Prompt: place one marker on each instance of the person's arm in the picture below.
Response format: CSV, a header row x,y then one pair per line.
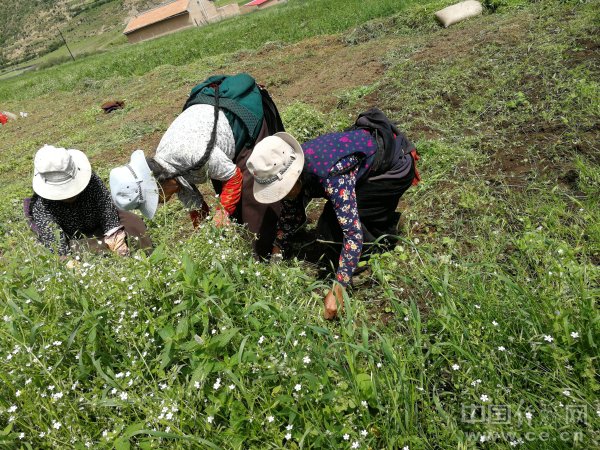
x,y
189,195
115,237
341,191
232,192
50,234
221,168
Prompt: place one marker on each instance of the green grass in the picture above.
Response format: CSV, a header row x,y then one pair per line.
x,y
489,302
296,20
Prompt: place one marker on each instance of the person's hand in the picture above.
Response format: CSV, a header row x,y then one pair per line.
x,y
73,264
199,215
221,218
117,242
276,255
334,302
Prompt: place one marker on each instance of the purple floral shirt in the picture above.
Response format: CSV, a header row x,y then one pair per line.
x,y
341,191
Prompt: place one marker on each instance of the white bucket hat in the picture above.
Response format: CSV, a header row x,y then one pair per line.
x,y
276,163
59,174
133,186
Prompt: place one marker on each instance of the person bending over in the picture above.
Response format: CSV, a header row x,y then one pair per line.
x,y
200,145
71,206
361,202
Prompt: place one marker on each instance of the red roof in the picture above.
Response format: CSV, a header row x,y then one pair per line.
x,y
176,8
256,2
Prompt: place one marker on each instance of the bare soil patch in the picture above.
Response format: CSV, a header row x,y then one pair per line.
x,y
313,71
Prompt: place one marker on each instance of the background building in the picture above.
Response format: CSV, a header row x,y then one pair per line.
x,y
175,16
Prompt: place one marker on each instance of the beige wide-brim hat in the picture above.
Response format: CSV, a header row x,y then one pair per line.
x,y
276,164
59,173
133,186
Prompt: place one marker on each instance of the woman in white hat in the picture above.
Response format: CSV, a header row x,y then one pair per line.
x,y
71,203
192,151
338,166
180,163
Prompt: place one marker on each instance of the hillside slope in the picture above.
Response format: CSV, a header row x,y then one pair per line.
x,y
30,28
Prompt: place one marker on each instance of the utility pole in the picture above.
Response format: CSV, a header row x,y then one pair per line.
x,y
65,41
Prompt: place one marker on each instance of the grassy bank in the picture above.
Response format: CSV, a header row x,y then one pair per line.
x,y
291,22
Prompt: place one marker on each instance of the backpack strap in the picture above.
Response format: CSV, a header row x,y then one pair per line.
x,y
213,137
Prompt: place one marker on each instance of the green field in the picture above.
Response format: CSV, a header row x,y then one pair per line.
x,y
479,330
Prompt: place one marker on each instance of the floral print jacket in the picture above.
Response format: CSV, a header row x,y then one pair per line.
x,y
340,189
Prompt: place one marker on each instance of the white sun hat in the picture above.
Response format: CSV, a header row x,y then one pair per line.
x,y
276,163
133,186
59,174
